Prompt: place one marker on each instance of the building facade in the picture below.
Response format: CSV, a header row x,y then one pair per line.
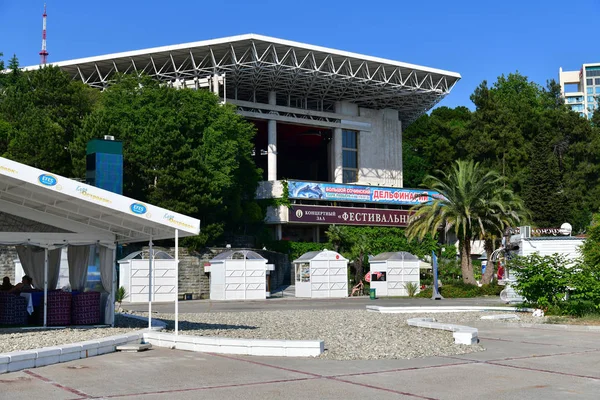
x,y
580,88
329,122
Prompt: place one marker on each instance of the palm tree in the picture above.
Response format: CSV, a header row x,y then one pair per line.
x,y
472,203
337,235
511,214
359,250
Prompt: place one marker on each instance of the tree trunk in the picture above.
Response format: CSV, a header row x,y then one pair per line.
x,y
489,268
358,268
466,264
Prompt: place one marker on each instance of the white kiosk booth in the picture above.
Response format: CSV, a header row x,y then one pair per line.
x,y
238,275
134,274
321,274
390,272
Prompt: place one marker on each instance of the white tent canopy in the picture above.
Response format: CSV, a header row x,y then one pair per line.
x,y
40,209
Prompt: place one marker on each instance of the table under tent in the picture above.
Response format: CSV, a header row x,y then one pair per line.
x,y
238,275
41,214
321,274
390,273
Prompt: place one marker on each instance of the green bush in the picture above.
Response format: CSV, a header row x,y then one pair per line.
x,y
460,289
295,249
449,270
585,285
493,289
542,280
578,308
546,281
411,288
455,292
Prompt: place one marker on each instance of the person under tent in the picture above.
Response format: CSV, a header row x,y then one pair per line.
x,y
26,285
6,285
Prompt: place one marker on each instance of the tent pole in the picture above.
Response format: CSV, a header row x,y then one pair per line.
x,y
45,285
176,281
150,284
114,285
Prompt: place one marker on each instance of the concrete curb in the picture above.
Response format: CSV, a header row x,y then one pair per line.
x,y
207,344
18,360
462,334
157,324
251,347
557,327
444,309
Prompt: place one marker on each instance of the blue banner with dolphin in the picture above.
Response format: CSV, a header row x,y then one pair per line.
x,y
358,193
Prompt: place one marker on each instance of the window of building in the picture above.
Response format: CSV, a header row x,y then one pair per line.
x,y
590,98
349,156
592,71
577,107
597,81
590,90
589,81
597,89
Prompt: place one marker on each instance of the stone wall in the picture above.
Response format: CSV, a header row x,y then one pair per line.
x,y
7,264
193,280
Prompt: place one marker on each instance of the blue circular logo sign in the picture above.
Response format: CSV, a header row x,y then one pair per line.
x,y
48,180
138,208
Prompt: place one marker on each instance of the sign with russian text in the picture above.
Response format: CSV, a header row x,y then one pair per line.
x,y
358,194
348,216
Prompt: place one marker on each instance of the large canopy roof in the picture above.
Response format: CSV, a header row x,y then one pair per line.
x,y
36,202
254,65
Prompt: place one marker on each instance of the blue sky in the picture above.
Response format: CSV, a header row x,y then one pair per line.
x,y
478,39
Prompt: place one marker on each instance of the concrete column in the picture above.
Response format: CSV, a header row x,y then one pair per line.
x,y
278,233
337,156
272,147
215,84
337,160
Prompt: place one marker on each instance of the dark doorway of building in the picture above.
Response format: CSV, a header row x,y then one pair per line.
x,y
303,151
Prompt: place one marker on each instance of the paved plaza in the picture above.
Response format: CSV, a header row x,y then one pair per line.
x,y
519,363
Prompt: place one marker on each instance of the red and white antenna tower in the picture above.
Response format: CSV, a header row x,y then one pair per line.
x,y
44,52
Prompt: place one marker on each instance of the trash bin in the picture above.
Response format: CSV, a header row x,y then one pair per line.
x,y
372,294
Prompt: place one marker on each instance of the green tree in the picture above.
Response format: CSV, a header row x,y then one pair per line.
x,y
543,191
590,250
434,141
470,202
337,235
40,111
183,150
512,116
358,252
507,211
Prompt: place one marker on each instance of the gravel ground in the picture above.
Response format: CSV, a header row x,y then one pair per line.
x,y
12,339
348,334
